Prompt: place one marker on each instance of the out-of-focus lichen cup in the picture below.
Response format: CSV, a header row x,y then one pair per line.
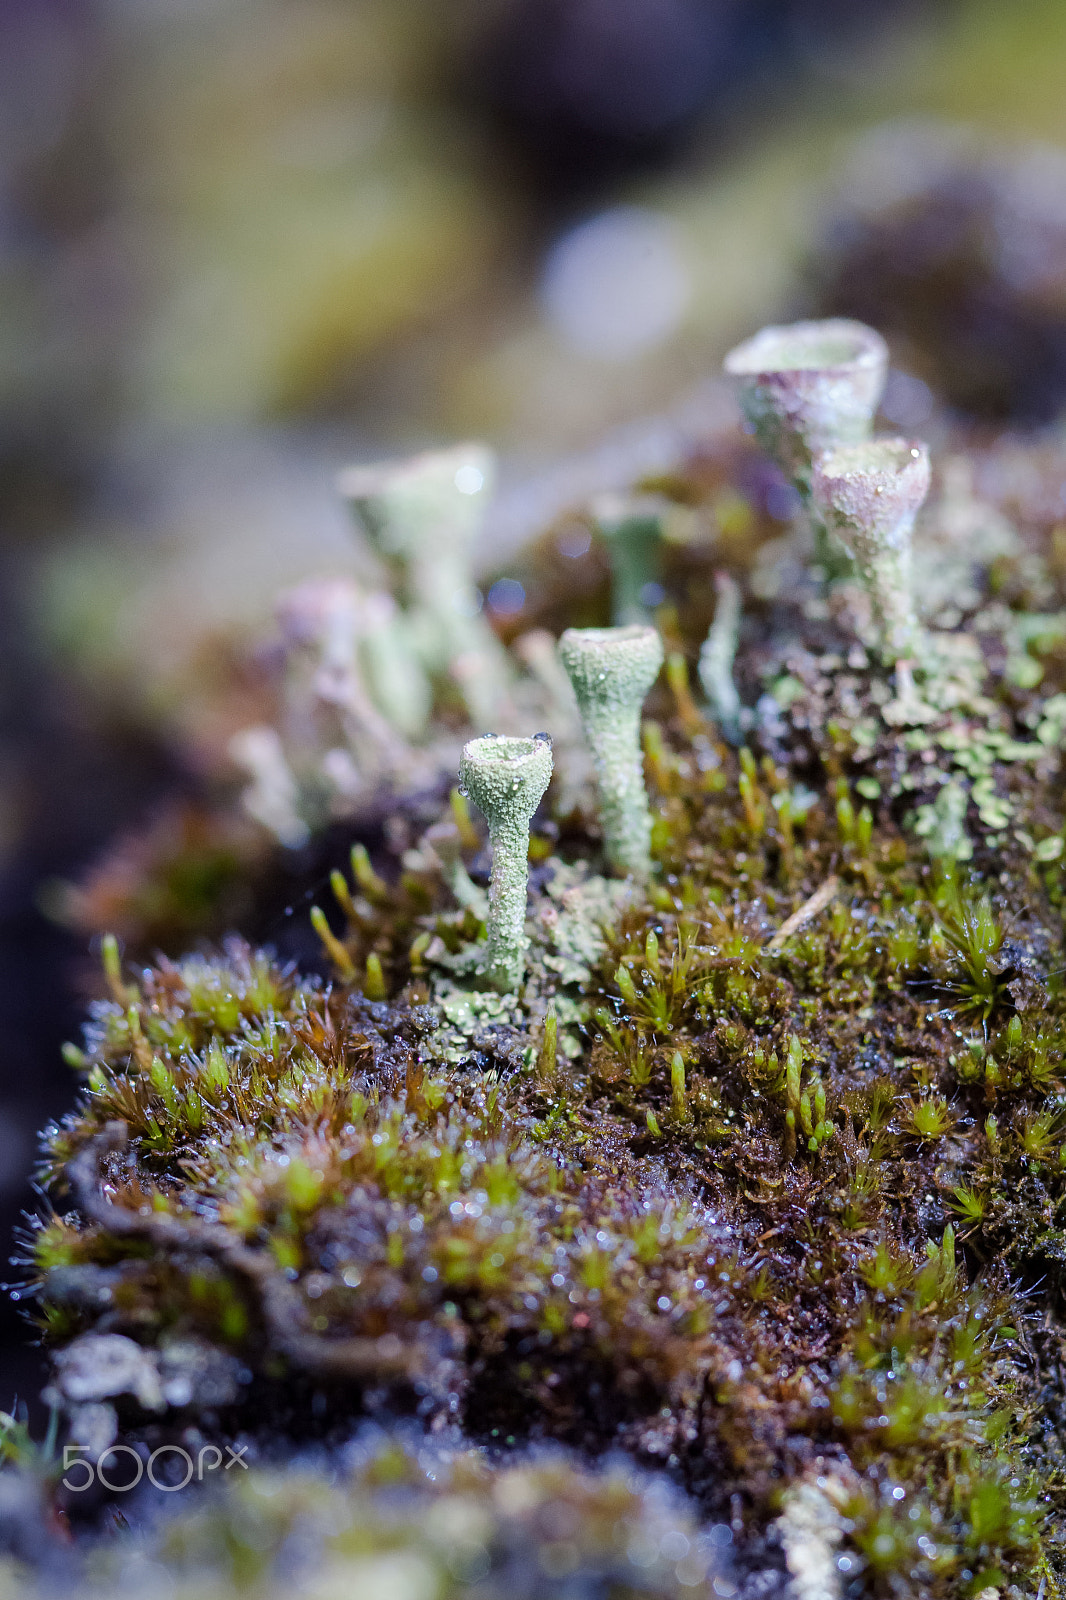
x,y
868,495
808,387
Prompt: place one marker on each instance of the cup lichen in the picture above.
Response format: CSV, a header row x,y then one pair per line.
x,y
868,495
809,386
612,670
506,779
632,528
422,516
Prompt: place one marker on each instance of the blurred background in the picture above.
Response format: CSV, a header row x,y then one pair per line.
x,y
243,242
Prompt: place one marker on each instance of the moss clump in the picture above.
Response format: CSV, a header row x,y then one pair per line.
x,y
763,1226
759,1175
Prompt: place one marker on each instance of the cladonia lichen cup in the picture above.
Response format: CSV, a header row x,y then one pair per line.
x,y
868,495
612,670
809,386
422,516
506,779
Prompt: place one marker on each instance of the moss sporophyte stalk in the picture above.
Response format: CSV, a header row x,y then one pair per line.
x,y
749,1167
506,779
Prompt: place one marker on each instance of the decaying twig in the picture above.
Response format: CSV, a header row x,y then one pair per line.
x,y
807,912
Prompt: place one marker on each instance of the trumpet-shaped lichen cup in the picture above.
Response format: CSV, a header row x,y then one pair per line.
x,y
422,514
809,386
506,779
612,670
868,495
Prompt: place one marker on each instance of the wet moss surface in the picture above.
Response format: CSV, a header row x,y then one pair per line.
x,y
758,1178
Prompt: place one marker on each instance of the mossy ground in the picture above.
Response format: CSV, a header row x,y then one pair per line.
x,y
405,1517
761,1178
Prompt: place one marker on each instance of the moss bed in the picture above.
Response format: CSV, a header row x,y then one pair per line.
x,y
757,1187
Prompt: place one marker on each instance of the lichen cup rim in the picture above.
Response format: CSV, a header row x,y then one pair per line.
x,y
609,638
615,508
363,481
520,751
888,458
837,344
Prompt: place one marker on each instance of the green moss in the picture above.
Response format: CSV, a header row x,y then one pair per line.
x,y
752,1130
758,1177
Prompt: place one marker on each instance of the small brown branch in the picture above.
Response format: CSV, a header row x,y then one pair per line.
x,y
807,912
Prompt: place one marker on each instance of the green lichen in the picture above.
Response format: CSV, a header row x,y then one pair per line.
x,y
506,779
422,515
868,495
809,387
632,527
612,670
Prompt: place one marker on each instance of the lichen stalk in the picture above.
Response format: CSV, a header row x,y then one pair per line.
x,y
632,527
506,779
718,654
422,516
612,670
